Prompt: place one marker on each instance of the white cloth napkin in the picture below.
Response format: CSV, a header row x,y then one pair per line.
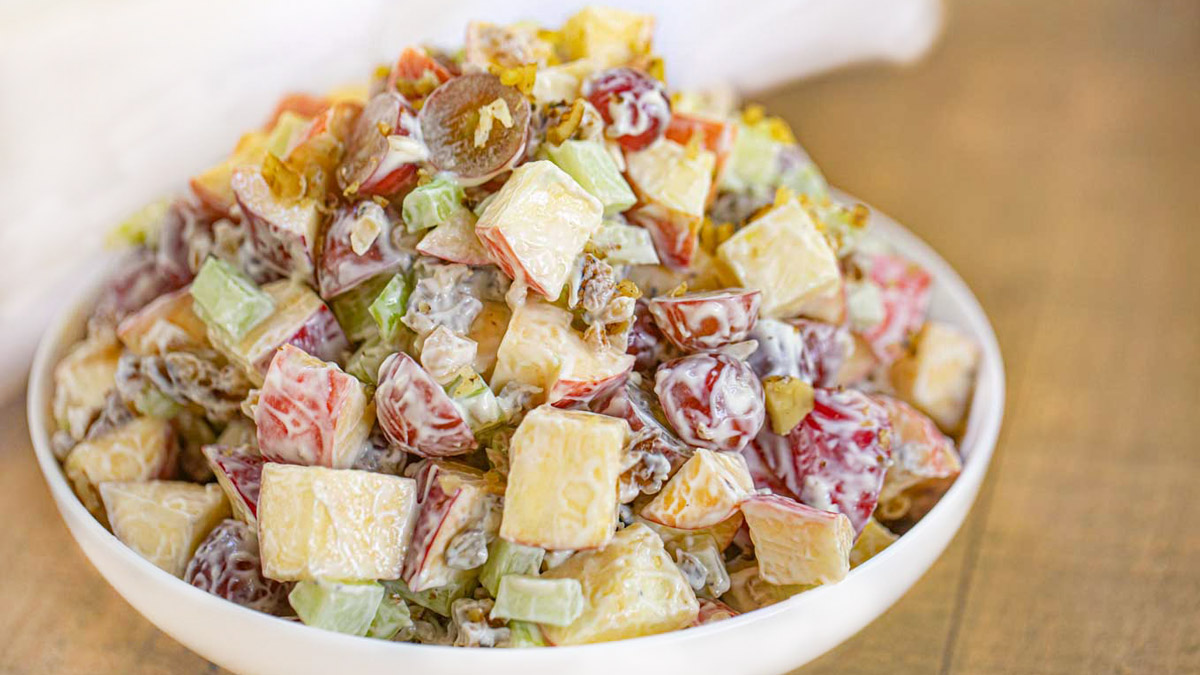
x,y
107,105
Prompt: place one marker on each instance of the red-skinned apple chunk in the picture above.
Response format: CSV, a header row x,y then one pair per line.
x,y
705,491
310,412
672,185
452,499
715,135
712,401
836,458
936,376
796,543
707,320
282,228
239,473
904,288
921,456
357,247
415,412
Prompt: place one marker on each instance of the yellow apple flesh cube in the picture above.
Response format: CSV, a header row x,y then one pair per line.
x,y
672,176
81,382
937,377
541,349
317,523
705,491
537,224
782,254
457,498
487,331
610,37
562,480
873,539
797,544
164,521
167,324
140,449
632,588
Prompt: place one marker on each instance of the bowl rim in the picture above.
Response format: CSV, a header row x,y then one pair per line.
x,y
977,445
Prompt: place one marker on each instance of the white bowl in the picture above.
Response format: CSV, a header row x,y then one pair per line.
x,y
770,640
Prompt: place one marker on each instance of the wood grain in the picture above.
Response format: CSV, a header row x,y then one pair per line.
x,y
1051,152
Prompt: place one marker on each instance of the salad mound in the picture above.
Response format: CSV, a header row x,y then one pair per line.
x,y
512,347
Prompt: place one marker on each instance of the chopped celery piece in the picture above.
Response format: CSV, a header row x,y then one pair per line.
x,y
429,205
389,307
151,402
589,163
352,308
806,179
504,558
437,600
229,300
365,361
343,607
754,161
555,602
476,400
525,634
392,617
141,227
624,244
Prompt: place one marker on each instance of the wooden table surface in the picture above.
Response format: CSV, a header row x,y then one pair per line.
x,y
1051,152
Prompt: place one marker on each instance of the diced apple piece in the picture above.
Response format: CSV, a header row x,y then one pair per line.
x,y
140,449
239,473
282,231
938,375
672,183
723,532
562,481
541,349
451,500
873,539
164,521
300,318
342,607
357,247
228,300
213,188
82,380
416,413
417,73
607,36
537,224
748,591
920,452
550,602
789,400
621,244
505,46
782,254
318,523
167,324
707,320
310,412
705,491
487,330
455,241
714,135
591,165
797,544
632,588
505,558
904,290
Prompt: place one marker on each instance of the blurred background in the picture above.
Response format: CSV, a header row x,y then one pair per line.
x,y
1051,153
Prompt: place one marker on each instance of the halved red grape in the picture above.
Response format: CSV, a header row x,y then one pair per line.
x,y
837,457
637,405
633,105
227,564
646,341
414,411
707,320
712,400
341,268
451,117
371,167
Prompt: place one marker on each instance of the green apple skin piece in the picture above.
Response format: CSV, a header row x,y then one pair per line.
x,y
525,634
439,599
554,602
229,300
392,617
589,163
389,307
504,558
352,308
429,205
342,607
